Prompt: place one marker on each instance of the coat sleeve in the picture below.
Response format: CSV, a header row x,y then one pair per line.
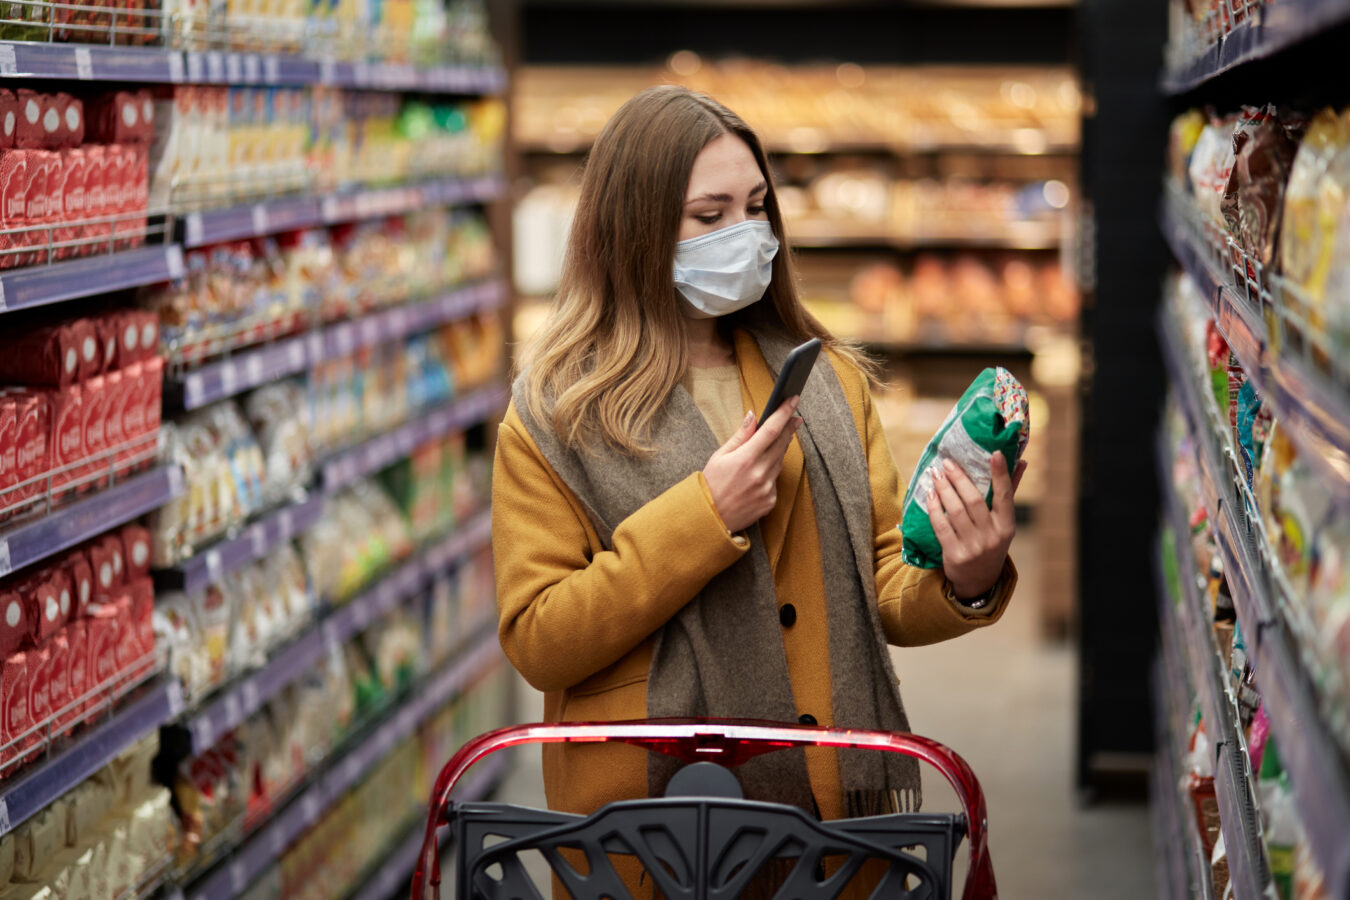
x,y
917,605
568,608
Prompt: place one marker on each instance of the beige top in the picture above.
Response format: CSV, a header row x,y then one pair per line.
x,y
717,394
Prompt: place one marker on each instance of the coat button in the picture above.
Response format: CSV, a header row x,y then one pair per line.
x,y
787,614
806,719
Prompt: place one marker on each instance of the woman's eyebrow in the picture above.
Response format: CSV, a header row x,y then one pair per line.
x,y
726,198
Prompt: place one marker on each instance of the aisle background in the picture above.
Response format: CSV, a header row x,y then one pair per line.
x,y
1004,699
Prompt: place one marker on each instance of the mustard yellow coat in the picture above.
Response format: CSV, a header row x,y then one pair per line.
x,y
578,620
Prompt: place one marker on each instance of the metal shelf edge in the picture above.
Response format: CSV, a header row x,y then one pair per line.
x,y
101,62
35,791
1245,863
60,281
31,542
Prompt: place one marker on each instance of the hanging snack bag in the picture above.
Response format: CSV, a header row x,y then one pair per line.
x,y
992,415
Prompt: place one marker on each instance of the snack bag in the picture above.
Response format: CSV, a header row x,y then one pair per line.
x,y
991,415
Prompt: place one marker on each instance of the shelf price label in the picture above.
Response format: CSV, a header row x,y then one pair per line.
x,y
272,69
196,68
176,68
9,64
259,218
234,69
215,67
84,64
6,566
252,68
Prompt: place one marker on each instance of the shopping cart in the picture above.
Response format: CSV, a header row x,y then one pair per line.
x,y
702,840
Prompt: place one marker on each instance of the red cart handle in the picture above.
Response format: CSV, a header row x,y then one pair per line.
x,y
728,742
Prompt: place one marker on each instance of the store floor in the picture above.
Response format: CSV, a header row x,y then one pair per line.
x,y
1004,700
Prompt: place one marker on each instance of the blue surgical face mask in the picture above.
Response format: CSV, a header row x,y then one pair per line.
x,y
725,270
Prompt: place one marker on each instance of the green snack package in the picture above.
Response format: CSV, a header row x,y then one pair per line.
x,y
991,415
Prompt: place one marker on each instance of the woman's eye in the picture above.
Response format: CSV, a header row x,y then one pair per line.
x,y
755,210
708,218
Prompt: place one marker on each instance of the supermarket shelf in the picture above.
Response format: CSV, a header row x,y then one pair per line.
x,y
1316,418
235,703
375,454
268,844
92,62
1320,780
210,565
88,62
158,703
289,214
255,367
24,544
396,871
1032,238
1278,26
1311,754
581,146
41,285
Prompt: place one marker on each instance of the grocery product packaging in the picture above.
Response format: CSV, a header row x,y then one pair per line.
x,y
76,566
47,356
32,440
95,414
9,453
29,135
13,204
77,635
72,120
9,119
73,163
53,113
16,623
14,706
39,686
41,595
60,680
1253,201
991,415
67,436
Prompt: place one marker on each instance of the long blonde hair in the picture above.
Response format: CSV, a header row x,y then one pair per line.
x,y
614,344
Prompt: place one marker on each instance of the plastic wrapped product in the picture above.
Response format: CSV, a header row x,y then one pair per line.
x,y
77,635
1263,158
14,706
16,620
9,453
37,842
61,702
1210,166
992,415
41,595
1281,819
6,860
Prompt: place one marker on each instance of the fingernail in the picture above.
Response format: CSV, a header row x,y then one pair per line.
x,y
998,456
937,472
749,416
949,465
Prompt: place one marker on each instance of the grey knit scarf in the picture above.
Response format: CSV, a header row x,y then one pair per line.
x,y
722,655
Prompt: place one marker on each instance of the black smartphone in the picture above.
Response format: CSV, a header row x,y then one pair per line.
x,y
792,377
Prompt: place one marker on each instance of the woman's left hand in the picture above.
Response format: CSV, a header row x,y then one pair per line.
x,y
974,538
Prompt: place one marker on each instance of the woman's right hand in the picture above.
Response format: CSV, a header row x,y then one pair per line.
x,y
743,474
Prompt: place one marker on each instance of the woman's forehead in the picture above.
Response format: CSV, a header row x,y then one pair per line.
x,y
724,166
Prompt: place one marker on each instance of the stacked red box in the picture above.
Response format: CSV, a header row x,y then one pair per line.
x,y
87,404
71,629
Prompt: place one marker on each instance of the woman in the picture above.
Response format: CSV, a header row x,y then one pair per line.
x,y
656,553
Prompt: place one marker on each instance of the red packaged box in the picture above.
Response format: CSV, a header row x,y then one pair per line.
x,y
106,582
76,565
65,593
39,688
78,636
91,354
9,119
48,356
61,698
142,591
41,595
135,175
112,544
112,429
108,329
28,134
16,626
140,334
32,455
116,118
102,626
72,194
53,126
113,179
133,414
56,185
14,706
9,454
72,121
152,384
136,549
67,436
36,213
95,424
95,200
13,205
127,647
